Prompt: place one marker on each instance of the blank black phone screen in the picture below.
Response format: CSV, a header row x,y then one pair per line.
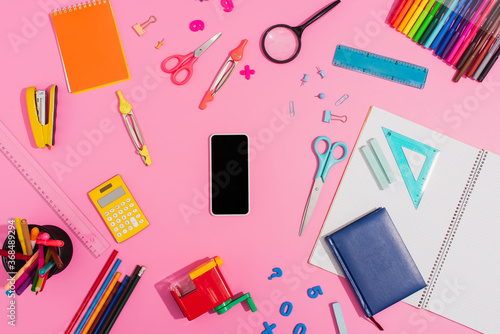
x,y
229,186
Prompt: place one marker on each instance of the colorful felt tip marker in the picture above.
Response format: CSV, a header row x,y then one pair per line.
x,y
421,18
409,15
33,236
396,11
55,243
415,17
402,13
20,235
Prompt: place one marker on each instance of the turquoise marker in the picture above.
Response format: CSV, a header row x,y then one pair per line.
x,y
441,23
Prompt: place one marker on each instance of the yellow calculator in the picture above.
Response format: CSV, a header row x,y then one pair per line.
x,y
118,208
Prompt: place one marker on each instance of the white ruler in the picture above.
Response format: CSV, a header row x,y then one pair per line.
x,y
56,199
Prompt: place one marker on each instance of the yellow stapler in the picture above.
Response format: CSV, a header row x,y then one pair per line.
x,y
42,115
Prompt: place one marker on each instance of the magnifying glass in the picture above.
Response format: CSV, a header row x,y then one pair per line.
x,y
281,43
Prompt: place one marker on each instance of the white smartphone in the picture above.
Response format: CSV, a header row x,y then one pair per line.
x,y
229,175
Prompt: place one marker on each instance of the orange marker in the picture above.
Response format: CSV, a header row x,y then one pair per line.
x,y
34,236
398,10
408,15
402,14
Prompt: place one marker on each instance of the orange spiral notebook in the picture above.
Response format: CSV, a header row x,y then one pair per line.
x,y
90,46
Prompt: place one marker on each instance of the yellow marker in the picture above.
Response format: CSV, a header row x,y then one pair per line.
x,y
20,235
217,261
408,16
415,17
101,303
26,232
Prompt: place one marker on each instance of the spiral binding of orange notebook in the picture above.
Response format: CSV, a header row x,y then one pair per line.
x,y
90,46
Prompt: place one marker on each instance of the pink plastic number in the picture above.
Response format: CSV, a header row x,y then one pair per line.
x,y
228,5
196,25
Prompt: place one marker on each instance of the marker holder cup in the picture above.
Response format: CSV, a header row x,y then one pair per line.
x,y
65,252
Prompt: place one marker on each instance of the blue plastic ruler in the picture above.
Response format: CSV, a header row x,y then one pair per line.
x,y
380,66
55,198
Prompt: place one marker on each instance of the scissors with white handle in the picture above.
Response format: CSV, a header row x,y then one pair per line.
x,y
326,161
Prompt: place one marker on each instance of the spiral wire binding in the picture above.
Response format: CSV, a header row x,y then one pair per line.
x,y
78,6
452,229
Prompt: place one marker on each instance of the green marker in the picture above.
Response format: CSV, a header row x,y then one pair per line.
x,y
431,24
421,18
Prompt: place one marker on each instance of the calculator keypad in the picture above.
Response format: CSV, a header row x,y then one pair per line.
x,y
125,219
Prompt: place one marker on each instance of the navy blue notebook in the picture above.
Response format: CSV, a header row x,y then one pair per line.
x,y
375,261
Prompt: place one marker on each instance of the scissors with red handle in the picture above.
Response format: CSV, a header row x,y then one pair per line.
x,y
185,63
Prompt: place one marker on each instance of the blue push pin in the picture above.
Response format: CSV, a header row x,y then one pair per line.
x,y
328,116
321,95
320,72
304,79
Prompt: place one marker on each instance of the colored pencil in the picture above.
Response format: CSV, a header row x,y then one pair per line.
x,y
35,279
454,27
101,303
119,294
482,54
22,287
409,15
98,296
415,17
493,30
124,301
40,284
484,27
105,306
25,274
449,21
486,59
396,11
421,18
402,14
435,19
17,256
488,67
21,271
91,292
441,23
464,31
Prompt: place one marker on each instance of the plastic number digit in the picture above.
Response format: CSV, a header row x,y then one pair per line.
x,y
314,292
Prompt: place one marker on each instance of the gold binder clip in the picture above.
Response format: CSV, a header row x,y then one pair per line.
x,y
42,119
139,28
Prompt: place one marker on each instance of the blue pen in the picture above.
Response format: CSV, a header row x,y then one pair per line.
x,y
447,25
440,24
459,31
97,297
110,306
453,28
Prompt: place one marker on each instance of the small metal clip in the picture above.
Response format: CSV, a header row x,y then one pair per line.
x,y
342,100
139,28
328,116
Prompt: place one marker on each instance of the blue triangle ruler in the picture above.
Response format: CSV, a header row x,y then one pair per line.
x,y
415,187
380,66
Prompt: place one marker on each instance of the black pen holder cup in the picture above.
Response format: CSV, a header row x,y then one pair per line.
x,y
65,252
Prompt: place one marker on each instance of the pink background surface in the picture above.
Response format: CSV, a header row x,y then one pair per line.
x,y
177,132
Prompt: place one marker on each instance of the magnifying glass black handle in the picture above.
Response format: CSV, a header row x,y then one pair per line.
x,y
316,16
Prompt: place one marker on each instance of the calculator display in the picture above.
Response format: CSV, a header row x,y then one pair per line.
x,y
112,196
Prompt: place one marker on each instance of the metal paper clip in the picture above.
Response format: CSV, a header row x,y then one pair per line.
x,y
328,116
139,28
291,104
342,100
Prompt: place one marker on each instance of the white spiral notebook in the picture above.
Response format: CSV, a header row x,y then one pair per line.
x,y
453,235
